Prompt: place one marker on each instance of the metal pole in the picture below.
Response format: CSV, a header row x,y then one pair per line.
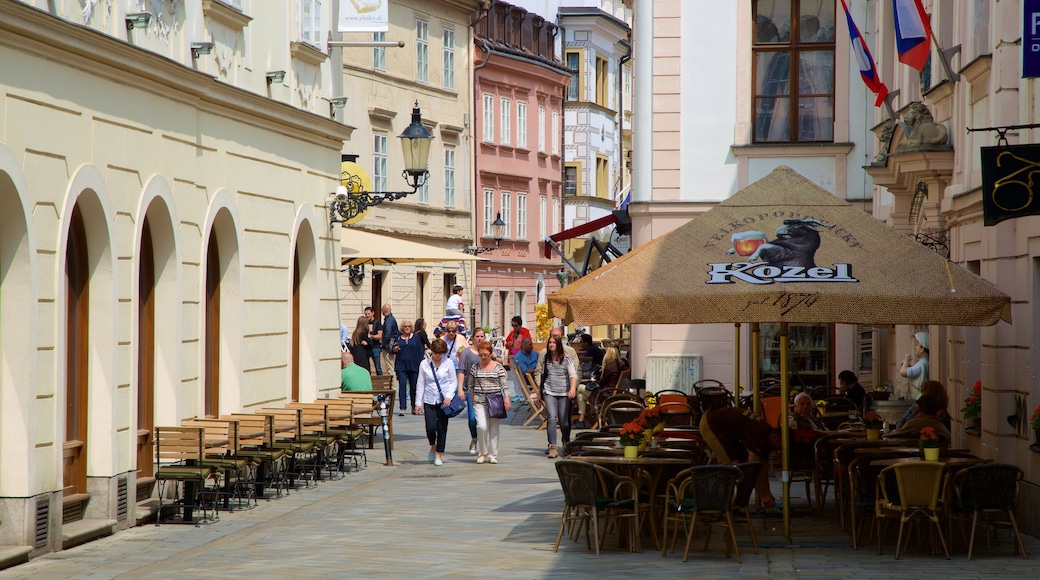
x,y
755,357
365,43
736,360
785,433
386,430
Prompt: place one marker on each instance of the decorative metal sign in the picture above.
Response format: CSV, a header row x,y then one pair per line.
x,y
1010,177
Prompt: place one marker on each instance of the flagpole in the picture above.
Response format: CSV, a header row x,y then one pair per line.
x,y
945,56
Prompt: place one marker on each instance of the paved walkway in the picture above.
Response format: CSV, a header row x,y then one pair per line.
x,y
470,521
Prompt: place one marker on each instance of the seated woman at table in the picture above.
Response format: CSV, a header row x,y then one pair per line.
x,y
607,379
936,390
737,435
804,416
927,408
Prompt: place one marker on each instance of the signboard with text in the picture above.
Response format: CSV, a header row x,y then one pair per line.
x,y
363,16
1030,38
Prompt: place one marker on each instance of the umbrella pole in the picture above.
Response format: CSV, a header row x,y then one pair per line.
x,y
755,357
785,433
736,360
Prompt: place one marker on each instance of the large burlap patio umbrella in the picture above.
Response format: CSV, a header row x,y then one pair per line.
x,y
783,250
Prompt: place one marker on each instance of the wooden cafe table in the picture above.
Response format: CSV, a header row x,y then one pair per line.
x,y
654,466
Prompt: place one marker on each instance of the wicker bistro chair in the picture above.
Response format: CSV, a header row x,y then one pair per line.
x,y
986,492
863,474
179,455
919,484
592,492
705,491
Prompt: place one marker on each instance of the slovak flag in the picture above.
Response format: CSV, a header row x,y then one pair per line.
x,y
867,69
913,33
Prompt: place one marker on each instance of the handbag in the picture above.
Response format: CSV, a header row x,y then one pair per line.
x,y
457,404
496,405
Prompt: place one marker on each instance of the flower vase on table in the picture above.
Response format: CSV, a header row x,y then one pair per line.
x,y
631,451
930,444
633,438
872,422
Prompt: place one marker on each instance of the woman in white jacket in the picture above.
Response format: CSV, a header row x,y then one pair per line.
x,y
438,384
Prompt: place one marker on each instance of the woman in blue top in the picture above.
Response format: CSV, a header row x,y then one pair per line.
x,y
438,384
410,352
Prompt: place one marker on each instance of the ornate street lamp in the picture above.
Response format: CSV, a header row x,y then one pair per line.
x,y
498,231
351,202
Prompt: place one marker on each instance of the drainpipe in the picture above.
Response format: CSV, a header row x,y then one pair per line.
x,y
621,114
474,147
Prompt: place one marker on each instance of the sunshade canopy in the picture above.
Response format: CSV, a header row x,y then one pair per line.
x,y
360,247
782,250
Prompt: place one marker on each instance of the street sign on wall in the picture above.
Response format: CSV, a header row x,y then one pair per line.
x,y
1031,38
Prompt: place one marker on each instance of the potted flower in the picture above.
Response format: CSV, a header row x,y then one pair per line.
x,y
872,421
631,437
972,410
880,393
654,417
1034,422
929,441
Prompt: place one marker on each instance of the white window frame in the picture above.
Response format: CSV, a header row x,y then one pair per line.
x,y
379,52
556,215
422,195
541,129
506,110
379,161
521,216
555,133
422,50
543,219
521,124
310,23
507,208
448,39
489,118
489,210
449,176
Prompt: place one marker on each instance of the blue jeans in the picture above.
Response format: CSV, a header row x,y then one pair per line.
x,y
377,364
472,415
406,383
559,409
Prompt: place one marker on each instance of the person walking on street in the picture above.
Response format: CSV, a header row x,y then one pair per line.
x,y
467,358
360,344
420,331
375,335
486,377
409,352
390,335
438,384
559,386
455,341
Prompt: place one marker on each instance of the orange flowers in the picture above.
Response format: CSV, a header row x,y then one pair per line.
x,y
632,432
871,420
929,438
973,404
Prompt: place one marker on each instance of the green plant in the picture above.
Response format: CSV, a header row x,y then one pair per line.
x,y
973,403
1034,421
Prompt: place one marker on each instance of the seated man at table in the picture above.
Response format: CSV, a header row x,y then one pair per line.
x,y
351,376
737,435
804,416
927,416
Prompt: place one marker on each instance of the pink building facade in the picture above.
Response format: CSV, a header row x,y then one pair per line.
x,y
519,88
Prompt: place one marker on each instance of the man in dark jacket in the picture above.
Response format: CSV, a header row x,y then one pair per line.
x,y
390,335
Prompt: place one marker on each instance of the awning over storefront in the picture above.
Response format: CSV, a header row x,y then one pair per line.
x,y
585,228
361,247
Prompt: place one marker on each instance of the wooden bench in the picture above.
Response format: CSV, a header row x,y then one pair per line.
x,y
179,455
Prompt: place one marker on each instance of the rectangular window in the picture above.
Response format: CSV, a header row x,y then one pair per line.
x,y
521,216
489,118
507,216
489,210
602,84
448,40
449,176
602,177
555,134
379,162
422,51
574,63
310,22
485,307
507,122
570,179
555,224
521,125
543,219
793,98
423,193
541,129
379,52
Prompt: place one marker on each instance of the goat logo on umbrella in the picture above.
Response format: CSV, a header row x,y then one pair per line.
x,y
790,257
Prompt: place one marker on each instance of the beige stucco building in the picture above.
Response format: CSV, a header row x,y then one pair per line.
x,y
433,69
164,248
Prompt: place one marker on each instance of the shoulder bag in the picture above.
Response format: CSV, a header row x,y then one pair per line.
x,y
457,404
496,405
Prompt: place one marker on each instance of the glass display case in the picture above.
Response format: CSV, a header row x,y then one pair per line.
x,y
810,354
